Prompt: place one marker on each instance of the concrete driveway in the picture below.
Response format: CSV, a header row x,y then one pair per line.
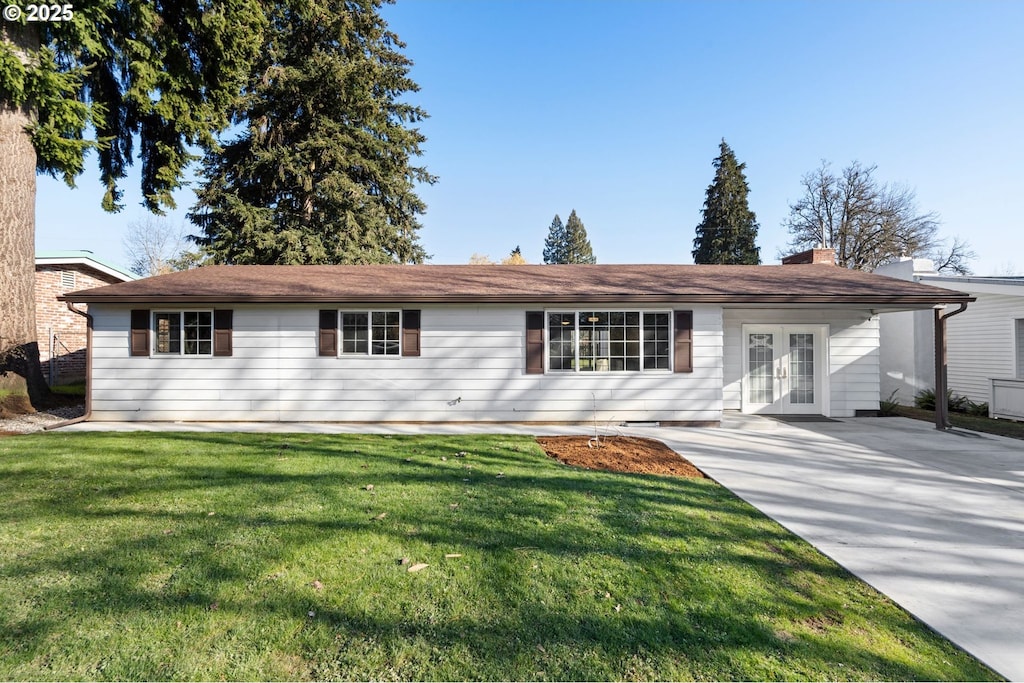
x,y
934,520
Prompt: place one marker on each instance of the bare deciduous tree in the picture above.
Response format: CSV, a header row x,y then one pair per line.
x,y
955,259
155,247
867,223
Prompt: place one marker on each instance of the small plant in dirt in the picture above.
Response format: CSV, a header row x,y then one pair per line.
x,y
890,406
976,409
925,399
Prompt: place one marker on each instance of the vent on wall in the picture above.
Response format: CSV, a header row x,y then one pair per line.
x,y
67,279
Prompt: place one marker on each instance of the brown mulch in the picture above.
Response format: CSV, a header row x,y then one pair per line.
x,y
619,454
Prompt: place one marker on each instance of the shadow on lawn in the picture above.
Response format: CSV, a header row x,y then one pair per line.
x,y
544,545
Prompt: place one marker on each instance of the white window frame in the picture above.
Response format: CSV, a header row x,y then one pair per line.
x,y
369,333
576,370
154,353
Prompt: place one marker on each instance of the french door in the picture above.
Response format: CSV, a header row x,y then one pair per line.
x,y
784,369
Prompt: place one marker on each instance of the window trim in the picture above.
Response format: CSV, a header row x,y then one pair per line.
x,y
341,353
181,333
577,371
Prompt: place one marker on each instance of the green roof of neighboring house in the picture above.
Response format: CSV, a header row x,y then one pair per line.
x,y
86,258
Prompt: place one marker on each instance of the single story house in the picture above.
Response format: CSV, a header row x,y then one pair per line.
x,y
61,333
554,343
985,344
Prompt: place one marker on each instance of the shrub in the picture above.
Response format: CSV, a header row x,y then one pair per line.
x,y
977,409
925,400
890,406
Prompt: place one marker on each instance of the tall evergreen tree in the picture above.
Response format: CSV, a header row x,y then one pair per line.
x,y
568,243
554,244
577,246
120,78
728,231
322,172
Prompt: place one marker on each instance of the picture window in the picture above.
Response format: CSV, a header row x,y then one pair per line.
x,y
609,341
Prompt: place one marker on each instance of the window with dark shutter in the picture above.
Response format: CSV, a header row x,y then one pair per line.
x,y
222,332
139,339
683,361
410,333
328,338
534,342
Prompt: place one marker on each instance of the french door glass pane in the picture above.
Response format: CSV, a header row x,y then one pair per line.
x,y
801,368
760,360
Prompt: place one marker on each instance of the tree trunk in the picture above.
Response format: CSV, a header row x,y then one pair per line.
x,y
19,346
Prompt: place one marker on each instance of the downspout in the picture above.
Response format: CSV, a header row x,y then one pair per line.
x,y
88,372
941,397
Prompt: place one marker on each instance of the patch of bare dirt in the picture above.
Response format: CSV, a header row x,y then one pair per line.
x,y
619,454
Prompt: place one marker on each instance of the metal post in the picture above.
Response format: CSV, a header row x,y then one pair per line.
x,y
51,363
941,377
941,406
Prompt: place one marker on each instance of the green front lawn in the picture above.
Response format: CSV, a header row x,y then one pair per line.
x,y
248,556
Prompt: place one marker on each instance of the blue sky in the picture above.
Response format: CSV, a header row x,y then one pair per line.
x,y
616,109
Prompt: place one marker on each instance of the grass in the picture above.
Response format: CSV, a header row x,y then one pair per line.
x,y
977,423
75,389
253,556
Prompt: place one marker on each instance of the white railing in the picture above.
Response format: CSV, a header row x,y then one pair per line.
x,y
1007,399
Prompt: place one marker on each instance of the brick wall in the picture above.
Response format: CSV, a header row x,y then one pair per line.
x,y
54,318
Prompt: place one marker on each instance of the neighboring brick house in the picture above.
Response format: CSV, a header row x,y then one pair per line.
x,y
60,332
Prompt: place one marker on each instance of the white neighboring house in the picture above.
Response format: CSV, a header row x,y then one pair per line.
x,y
668,343
985,343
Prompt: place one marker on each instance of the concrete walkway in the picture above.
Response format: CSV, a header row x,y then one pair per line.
x,y
933,520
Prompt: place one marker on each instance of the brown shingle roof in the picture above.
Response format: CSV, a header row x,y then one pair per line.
x,y
792,284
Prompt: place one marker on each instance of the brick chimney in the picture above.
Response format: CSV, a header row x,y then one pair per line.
x,y
818,256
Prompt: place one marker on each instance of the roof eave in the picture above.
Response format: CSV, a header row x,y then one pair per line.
x,y
925,301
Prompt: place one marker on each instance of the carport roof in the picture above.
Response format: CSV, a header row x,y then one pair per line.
x,y
547,284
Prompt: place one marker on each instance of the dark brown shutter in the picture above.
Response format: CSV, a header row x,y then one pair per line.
x,y
139,342
328,342
410,333
684,342
535,342
222,332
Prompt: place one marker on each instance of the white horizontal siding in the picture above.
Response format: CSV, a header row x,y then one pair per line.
x,y
472,368
852,359
980,345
